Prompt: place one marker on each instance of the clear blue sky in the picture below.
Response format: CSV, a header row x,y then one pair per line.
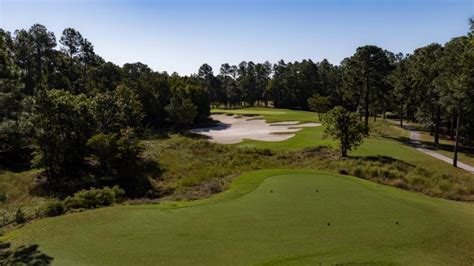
x,y
181,35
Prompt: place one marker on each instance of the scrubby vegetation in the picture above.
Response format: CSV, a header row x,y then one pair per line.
x,y
195,168
191,167
77,132
315,213
79,118
94,198
84,199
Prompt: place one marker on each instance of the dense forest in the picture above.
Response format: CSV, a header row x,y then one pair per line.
x,y
70,112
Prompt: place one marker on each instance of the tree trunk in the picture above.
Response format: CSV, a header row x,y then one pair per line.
x,y
70,74
344,152
367,102
84,73
451,127
401,116
437,121
456,145
383,110
39,67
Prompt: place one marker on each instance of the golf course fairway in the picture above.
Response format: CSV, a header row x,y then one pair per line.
x,y
268,217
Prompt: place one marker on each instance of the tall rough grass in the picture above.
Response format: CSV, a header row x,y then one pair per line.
x,y
192,166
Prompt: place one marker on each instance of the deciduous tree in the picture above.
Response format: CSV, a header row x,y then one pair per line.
x,y
345,128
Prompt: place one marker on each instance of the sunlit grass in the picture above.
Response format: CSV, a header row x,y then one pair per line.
x,y
270,216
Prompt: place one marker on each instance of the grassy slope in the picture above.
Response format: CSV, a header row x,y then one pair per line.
x,y
446,148
17,187
253,225
401,151
394,144
389,143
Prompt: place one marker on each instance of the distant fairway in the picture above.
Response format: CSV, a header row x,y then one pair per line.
x,y
275,217
390,146
307,137
270,216
273,114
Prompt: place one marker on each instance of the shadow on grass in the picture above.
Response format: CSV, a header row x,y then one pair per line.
x,y
384,160
402,140
218,126
23,255
203,125
195,136
15,162
133,178
468,151
381,159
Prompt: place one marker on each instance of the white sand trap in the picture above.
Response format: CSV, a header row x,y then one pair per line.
x,y
234,129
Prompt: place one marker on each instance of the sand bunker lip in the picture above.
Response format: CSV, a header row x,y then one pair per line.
x,y
234,129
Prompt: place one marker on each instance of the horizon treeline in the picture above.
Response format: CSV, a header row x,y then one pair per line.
x,y
60,101
433,86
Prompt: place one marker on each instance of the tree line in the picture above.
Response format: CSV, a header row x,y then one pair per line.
x,y
433,85
67,109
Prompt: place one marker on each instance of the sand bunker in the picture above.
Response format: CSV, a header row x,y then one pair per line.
x,y
234,129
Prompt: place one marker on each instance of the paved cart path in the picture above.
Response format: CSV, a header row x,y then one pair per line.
x,y
415,138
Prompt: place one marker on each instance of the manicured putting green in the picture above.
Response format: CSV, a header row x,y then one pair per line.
x,y
269,216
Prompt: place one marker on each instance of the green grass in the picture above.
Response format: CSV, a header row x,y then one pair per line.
x,y
396,149
17,187
391,140
268,217
446,147
386,140
194,169
273,114
249,224
307,137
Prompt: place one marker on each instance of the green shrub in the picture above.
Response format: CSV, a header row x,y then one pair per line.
x,y
115,151
20,216
422,172
391,174
265,152
418,182
374,172
57,112
118,155
3,197
181,111
55,208
445,186
94,198
359,172
343,171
